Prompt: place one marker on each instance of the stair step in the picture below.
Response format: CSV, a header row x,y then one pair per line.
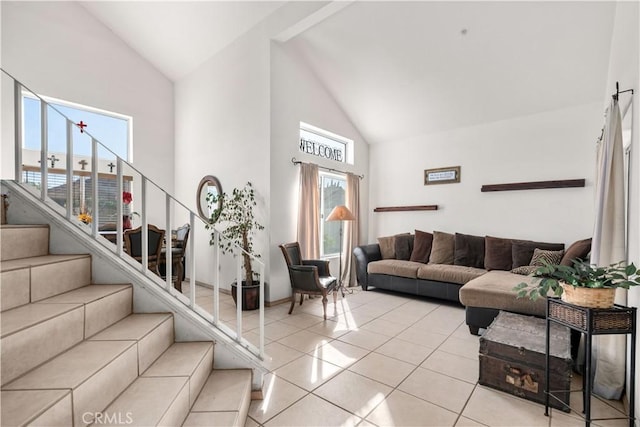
x,y
226,392
23,241
96,372
104,305
36,407
193,360
153,333
42,276
34,333
149,401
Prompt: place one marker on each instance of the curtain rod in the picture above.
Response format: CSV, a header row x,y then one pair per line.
x,y
618,91
297,162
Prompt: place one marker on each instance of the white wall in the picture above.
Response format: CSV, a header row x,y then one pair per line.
x,y
297,95
223,125
547,146
58,49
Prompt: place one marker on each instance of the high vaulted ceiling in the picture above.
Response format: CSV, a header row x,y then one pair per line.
x,y
404,69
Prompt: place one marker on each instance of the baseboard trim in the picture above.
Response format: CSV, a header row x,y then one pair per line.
x,y
228,292
256,395
277,302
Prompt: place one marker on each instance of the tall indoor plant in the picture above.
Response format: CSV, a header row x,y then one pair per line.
x,y
581,283
236,215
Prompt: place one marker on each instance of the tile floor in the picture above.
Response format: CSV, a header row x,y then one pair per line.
x,y
381,359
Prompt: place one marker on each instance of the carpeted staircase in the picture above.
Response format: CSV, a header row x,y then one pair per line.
x,y
74,353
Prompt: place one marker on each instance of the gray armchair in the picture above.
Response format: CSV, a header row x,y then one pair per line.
x,y
308,277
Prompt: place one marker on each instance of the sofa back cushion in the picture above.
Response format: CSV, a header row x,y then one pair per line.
x,y
443,248
522,250
422,244
388,246
403,245
469,250
579,249
497,253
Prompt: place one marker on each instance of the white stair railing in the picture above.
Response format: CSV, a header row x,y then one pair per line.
x,y
174,211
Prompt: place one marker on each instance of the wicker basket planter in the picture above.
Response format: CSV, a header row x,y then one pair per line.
x,y
588,297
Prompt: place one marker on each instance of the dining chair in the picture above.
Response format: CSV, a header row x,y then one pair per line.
x,y
133,245
178,253
308,277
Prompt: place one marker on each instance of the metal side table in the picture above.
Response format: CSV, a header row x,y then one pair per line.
x,y
590,322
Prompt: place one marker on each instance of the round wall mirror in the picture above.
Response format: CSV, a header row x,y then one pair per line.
x,y
209,185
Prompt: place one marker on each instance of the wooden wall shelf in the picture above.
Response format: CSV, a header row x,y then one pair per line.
x,y
536,185
407,208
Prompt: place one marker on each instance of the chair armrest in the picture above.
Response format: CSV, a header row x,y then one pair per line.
x,y
322,265
364,255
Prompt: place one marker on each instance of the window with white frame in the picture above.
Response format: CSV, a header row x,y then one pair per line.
x,y
112,130
332,194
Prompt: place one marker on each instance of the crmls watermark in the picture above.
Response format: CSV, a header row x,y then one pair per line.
x,y
115,418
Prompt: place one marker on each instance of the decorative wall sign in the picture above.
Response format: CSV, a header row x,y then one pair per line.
x,y
446,175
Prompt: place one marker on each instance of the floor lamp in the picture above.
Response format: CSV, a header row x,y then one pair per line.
x,y
340,213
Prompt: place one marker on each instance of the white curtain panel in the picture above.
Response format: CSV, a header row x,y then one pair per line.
x,y
351,235
309,212
608,247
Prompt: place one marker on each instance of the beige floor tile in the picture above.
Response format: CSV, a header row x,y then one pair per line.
x,y
365,423
466,422
356,317
276,330
462,347
279,355
371,310
429,386
402,409
438,323
405,351
453,365
384,327
422,337
313,411
308,372
278,394
399,315
251,423
211,419
253,337
304,341
332,329
301,320
383,369
364,339
339,353
514,411
355,393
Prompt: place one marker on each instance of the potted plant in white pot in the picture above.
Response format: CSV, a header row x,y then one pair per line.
x,y
581,283
236,214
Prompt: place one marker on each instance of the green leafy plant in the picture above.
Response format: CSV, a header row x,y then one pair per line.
x,y
580,274
236,215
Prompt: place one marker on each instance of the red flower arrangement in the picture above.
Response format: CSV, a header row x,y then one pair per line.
x,y
126,197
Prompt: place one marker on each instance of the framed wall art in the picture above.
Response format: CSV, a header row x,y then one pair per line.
x,y
446,175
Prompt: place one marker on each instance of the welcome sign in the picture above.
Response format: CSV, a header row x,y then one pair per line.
x,y
321,146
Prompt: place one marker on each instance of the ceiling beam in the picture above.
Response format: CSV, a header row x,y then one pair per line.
x,y
311,20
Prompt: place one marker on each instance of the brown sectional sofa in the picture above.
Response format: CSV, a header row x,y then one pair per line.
x,y
483,292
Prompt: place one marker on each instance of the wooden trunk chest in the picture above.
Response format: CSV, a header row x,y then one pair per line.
x,y
512,358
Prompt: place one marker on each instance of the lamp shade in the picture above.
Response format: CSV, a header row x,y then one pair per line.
x,y
341,213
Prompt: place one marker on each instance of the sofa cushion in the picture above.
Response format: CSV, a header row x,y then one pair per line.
x,y
459,274
525,270
550,257
443,248
495,290
422,247
403,245
497,253
394,267
522,250
469,250
579,249
387,247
